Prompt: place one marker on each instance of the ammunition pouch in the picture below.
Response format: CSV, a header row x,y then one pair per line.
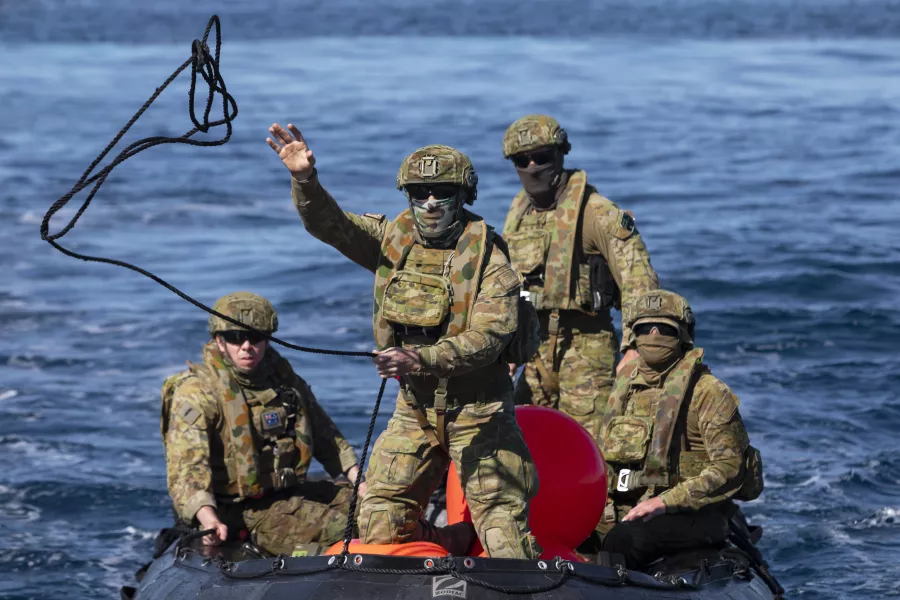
x,y
416,299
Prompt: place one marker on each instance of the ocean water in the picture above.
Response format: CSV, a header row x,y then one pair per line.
x,y
757,143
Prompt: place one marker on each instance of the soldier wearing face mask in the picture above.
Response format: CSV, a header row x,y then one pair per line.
x,y
580,256
446,306
676,447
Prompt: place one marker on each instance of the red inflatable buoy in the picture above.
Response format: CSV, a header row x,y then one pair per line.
x,y
572,476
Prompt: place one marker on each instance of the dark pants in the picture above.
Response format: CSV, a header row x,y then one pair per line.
x,y
642,542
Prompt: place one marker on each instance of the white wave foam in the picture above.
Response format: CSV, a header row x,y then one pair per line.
x,y
883,517
42,453
138,534
8,394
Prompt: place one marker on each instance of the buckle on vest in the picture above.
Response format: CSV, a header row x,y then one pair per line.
x,y
286,478
553,323
623,483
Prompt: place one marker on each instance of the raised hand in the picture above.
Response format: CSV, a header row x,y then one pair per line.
x,y
292,150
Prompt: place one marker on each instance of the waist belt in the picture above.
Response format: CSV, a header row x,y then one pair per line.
x,y
437,434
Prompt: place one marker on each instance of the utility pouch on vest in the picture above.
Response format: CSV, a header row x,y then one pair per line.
x,y
416,299
527,338
604,290
626,440
753,476
527,250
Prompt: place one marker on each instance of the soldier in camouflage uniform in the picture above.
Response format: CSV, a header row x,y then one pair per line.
x,y
580,256
240,430
675,444
446,306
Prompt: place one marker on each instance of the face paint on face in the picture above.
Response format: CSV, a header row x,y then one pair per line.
x,y
435,216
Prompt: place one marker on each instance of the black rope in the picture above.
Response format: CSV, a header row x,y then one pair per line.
x,y
351,513
187,538
205,64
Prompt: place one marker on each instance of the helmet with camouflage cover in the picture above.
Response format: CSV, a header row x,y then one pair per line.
x,y
534,131
247,308
661,306
439,164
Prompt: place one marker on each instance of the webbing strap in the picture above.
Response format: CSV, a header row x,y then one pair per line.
x,y
440,409
427,427
550,377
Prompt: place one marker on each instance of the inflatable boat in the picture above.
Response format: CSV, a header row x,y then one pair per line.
x,y
563,514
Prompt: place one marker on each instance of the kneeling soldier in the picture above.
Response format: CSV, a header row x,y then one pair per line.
x,y
673,438
240,430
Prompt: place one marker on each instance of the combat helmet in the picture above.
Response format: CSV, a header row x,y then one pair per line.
x,y
439,164
247,308
661,306
534,131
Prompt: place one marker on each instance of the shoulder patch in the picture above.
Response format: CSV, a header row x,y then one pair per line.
x,y
625,226
508,279
189,414
376,216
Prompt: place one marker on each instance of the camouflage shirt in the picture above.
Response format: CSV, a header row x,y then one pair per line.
x,y
196,441
714,426
494,314
611,232
623,248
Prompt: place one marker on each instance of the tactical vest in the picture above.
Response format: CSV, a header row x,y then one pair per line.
x,y
639,430
544,248
639,442
267,442
433,300
437,298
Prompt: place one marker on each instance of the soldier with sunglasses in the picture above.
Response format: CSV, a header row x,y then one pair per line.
x,y
580,256
446,307
240,430
672,435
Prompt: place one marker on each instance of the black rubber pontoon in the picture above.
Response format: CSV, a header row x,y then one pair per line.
x,y
192,571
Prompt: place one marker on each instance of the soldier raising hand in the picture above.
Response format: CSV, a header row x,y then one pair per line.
x,y
445,308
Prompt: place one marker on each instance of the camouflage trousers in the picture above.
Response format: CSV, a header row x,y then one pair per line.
x,y
494,465
586,363
313,512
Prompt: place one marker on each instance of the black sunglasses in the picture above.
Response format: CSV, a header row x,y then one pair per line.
x,y
238,338
440,191
646,328
540,157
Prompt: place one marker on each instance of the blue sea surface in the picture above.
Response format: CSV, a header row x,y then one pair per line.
x,y
757,143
